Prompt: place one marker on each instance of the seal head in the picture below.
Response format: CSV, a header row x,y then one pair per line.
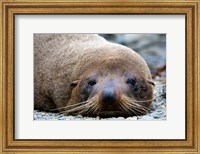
x,y
111,88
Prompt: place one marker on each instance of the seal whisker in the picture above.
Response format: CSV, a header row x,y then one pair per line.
x,y
123,108
136,106
68,106
92,103
127,106
99,110
84,110
133,101
139,110
90,109
140,101
140,106
94,108
78,108
73,110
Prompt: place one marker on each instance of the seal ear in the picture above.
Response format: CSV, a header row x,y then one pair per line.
x,y
150,82
74,83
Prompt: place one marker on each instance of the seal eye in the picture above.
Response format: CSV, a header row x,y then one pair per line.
x,y
92,83
131,81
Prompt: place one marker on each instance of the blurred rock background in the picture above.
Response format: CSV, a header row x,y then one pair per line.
x,y
152,47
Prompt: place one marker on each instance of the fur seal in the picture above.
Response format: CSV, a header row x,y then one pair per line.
x,y
85,74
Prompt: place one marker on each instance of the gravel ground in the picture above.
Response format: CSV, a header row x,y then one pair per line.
x,y
157,110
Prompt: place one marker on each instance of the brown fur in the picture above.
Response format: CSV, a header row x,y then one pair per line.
x,y
64,62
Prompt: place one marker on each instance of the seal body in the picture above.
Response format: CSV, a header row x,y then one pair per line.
x,y
87,75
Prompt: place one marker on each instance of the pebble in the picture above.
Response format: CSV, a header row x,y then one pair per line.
x,y
131,118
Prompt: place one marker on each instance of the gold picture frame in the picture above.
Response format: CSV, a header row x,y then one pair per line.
x,y
189,8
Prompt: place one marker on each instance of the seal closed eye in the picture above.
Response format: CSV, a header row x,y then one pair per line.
x,y
83,74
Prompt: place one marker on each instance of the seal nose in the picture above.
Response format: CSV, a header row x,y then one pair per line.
x,y
109,96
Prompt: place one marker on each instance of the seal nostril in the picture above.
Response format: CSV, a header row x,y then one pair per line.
x,y
109,97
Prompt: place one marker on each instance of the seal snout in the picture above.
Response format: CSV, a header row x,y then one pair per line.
x,y
109,96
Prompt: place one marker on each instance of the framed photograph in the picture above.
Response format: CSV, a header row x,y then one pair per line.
x,y
99,76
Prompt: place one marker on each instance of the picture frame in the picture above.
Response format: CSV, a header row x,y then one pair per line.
x,y
7,94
